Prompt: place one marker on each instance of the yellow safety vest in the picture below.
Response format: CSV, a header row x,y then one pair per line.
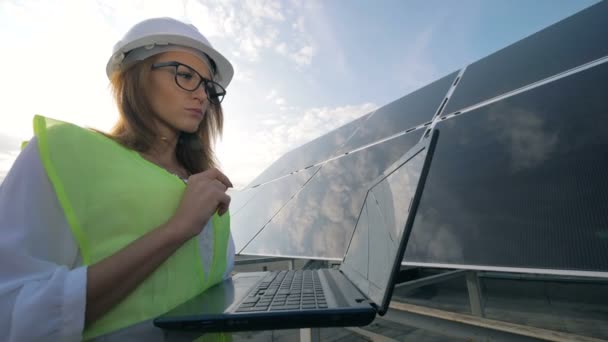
x,y
111,196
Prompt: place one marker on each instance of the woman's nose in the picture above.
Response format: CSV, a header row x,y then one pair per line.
x,y
200,93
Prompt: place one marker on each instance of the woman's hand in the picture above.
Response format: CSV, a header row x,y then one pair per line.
x,y
205,194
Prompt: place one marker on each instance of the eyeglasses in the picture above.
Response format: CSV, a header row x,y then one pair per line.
x,y
189,79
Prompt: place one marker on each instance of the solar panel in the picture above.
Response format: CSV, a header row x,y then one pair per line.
x,y
320,220
571,42
407,112
240,198
521,183
313,152
264,204
517,184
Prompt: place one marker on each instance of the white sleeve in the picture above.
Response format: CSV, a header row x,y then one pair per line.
x,y
42,295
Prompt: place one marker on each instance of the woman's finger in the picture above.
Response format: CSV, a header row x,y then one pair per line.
x,y
217,174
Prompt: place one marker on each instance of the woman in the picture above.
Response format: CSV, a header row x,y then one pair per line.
x,y
103,232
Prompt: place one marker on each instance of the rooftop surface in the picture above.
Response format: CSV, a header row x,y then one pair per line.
x,y
553,308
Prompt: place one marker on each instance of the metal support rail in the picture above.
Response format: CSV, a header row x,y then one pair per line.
x,y
506,327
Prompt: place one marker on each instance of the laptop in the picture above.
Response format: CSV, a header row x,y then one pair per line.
x,y
349,296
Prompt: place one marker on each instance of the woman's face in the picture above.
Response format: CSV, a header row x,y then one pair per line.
x,y
177,109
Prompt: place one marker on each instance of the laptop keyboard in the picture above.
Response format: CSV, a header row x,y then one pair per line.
x,y
286,290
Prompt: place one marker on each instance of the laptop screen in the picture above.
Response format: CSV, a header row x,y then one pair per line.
x,y
372,255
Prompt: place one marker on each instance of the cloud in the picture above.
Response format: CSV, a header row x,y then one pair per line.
x,y
303,56
281,49
271,95
265,9
301,52
250,28
242,75
315,23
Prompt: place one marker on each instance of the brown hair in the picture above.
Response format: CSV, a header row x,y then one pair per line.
x,y
134,128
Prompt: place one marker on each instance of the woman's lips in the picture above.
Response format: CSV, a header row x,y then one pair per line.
x,y
195,111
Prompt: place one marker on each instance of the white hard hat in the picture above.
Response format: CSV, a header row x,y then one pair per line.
x,y
168,31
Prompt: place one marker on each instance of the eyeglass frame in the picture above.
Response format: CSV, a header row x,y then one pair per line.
x,y
205,81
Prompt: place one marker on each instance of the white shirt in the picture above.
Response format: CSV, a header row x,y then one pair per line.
x,y
42,279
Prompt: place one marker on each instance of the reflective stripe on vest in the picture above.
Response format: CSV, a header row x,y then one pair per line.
x,y
111,196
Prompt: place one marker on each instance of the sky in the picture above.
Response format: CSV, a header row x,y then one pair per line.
x,y
302,68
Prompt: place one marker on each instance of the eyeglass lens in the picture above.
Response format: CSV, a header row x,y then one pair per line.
x,y
190,80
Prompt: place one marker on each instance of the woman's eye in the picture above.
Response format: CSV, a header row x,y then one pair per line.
x,y
185,75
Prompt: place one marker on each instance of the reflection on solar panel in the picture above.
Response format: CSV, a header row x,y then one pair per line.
x,y
521,182
406,113
266,201
518,178
320,219
309,154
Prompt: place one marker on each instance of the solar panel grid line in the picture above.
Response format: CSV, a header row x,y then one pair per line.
x,y
526,270
264,205
384,115
254,190
280,177
411,110
369,115
291,173
361,219
318,149
396,135
441,108
438,114
321,163
335,156
279,210
525,88
250,192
